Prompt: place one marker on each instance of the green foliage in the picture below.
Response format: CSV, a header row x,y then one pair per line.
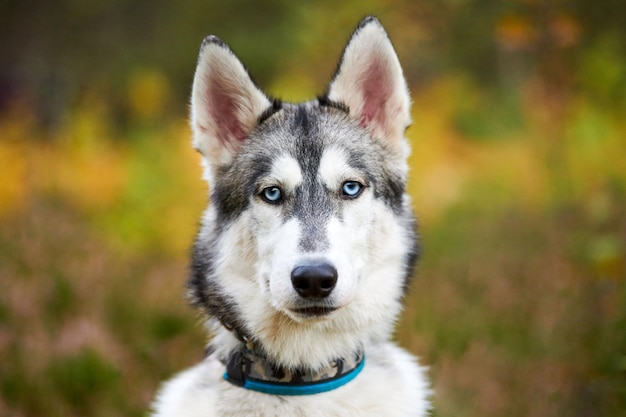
x,y
62,301
164,326
81,378
488,115
603,73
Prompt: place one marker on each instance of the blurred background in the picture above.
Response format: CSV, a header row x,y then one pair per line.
x,y
518,174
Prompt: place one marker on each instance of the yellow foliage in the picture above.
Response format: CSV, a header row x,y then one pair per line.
x,y
515,32
148,93
445,166
185,196
13,188
17,133
85,166
90,180
437,168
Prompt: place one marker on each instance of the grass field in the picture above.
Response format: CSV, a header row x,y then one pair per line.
x,y
518,307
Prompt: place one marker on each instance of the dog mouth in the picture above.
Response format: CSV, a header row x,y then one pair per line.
x,y
313,311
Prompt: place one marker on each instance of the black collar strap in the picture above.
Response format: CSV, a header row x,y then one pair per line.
x,y
248,369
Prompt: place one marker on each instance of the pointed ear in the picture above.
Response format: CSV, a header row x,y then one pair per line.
x,y
369,81
225,104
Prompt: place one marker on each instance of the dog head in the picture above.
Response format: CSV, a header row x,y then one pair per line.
x,y
309,238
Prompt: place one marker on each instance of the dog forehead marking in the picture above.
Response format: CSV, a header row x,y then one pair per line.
x,y
287,171
334,167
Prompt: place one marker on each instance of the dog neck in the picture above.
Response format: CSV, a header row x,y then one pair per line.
x,y
249,369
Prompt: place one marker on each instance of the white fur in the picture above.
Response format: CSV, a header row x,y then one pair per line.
x,y
334,169
286,173
390,385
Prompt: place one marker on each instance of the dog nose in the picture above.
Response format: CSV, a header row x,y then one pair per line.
x,y
314,280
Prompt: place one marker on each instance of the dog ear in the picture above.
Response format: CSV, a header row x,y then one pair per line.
x,y
370,82
225,104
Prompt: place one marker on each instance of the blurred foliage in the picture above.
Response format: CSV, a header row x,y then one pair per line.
x,y
55,53
517,172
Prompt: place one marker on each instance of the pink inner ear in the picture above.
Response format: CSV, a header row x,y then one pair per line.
x,y
223,111
377,91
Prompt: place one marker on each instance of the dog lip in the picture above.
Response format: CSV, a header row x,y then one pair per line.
x,y
314,311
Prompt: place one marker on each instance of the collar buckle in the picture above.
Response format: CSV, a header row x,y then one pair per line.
x,y
235,373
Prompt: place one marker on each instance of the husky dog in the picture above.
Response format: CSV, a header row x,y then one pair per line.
x,y
304,253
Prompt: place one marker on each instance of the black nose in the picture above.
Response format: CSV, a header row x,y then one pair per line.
x,y
314,280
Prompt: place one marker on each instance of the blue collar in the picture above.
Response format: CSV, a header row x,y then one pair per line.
x,y
252,371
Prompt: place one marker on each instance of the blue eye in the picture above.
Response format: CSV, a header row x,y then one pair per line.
x,y
351,189
272,195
